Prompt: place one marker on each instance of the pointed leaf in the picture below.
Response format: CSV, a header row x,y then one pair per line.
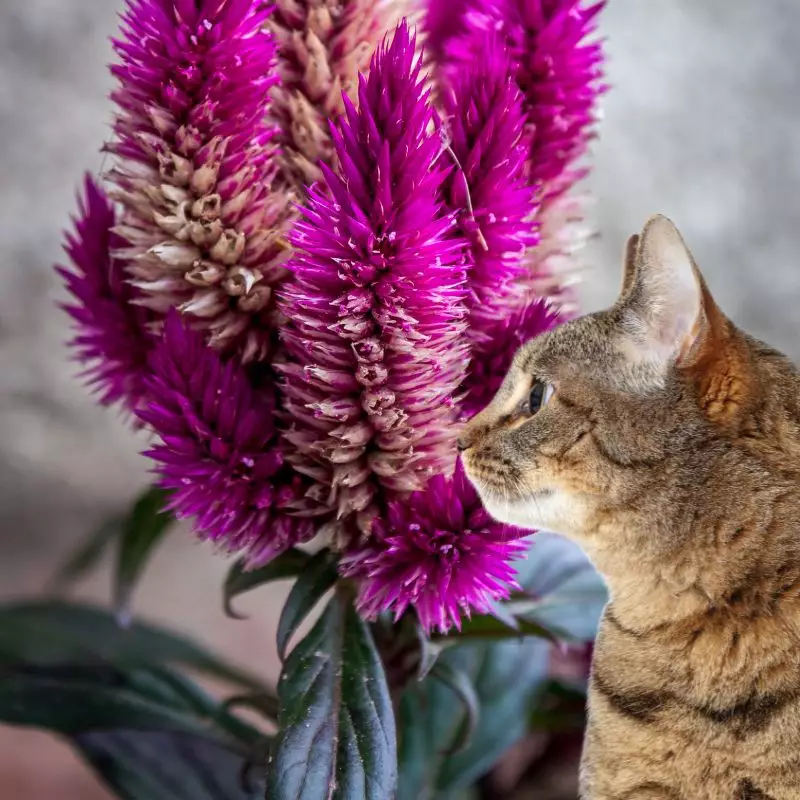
x,y
429,653
71,699
240,580
54,632
489,628
506,676
458,681
567,595
86,556
337,731
149,734
265,703
317,577
142,529
164,765
413,747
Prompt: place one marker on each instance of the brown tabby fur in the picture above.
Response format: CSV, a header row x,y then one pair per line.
x,y
670,450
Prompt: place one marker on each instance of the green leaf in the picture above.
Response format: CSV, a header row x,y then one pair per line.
x,y
150,734
506,676
71,699
337,730
240,580
164,765
86,556
52,632
567,595
142,529
429,653
318,576
265,703
489,628
413,748
459,683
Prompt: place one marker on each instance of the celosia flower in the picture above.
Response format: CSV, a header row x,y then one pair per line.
x,y
491,361
439,552
218,452
323,45
376,330
559,71
556,64
113,339
443,20
204,229
486,124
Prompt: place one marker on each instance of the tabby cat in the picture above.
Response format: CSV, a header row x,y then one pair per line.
x,y
666,442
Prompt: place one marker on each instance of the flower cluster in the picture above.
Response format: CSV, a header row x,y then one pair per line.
x,y
323,46
113,339
376,313
438,551
205,231
557,64
325,249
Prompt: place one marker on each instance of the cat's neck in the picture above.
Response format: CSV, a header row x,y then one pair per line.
x,y
741,561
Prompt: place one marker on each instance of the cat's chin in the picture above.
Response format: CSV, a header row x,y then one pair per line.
x,y
546,509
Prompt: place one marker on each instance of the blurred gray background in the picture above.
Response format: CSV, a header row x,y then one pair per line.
x,y
702,123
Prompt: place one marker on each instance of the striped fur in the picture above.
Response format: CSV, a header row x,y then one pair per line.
x,y
671,451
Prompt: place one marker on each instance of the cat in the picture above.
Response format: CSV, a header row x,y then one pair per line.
x,y
666,442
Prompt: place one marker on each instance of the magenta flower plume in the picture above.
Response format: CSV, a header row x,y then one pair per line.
x,y
439,552
195,165
486,125
113,339
323,46
557,65
443,21
218,451
559,71
493,358
376,314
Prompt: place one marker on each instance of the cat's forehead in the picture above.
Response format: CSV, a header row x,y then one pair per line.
x,y
585,346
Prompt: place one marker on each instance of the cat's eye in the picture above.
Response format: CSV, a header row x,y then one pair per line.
x,y
540,393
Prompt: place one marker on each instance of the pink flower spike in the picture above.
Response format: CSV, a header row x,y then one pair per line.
x,y
113,339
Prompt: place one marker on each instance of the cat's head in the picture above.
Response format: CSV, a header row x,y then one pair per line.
x,y
613,417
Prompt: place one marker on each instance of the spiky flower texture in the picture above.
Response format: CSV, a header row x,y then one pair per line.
x,y
491,196
306,369
219,452
205,230
376,312
557,64
323,46
112,339
439,552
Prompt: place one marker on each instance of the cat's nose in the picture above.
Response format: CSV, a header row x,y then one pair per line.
x,y
462,444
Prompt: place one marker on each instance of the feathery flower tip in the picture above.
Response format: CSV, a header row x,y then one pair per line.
x,y
113,339
204,230
218,450
557,65
376,313
323,46
438,552
486,125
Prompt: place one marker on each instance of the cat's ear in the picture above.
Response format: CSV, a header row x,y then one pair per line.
x,y
629,265
664,303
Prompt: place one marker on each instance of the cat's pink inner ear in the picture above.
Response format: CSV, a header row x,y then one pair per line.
x,y
663,309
